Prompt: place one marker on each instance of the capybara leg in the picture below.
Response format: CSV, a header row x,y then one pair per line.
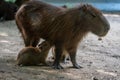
x,y
73,59
27,41
30,41
35,42
58,53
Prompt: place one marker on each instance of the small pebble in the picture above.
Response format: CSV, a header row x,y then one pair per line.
x,y
94,78
99,38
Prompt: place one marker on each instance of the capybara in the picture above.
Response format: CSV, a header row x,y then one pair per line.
x,y
62,28
30,56
7,10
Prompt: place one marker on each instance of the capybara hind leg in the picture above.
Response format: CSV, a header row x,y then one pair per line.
x,y
73,59
27,41
58,53
31,41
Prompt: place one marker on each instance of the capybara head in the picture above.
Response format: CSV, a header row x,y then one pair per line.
x,y
33,55
28,56
95,19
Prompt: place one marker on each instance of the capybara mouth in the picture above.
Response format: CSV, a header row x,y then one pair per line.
x,y
106,30
100,38
103,34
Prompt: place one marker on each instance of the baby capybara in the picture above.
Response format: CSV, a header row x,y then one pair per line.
x,y
62,28
30,56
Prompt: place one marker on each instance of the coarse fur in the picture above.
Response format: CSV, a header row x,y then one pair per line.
x,y
30,56
62,28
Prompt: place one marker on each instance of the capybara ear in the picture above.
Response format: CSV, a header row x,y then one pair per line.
x,y
64,6
85,7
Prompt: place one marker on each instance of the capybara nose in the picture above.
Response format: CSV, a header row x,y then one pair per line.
x,y
107,27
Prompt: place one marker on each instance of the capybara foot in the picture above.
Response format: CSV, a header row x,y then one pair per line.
x,y
57,66
77,66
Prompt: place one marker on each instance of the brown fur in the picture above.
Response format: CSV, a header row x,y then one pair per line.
x,y
62,28
33,55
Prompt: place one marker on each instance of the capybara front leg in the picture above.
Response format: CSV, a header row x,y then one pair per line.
x,y
58,53
73,59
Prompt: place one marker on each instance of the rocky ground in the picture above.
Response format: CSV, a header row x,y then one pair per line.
x,y
100,59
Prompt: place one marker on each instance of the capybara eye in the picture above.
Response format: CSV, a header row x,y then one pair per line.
x,y
92,14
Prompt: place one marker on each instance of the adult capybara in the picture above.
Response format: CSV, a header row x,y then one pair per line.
x,y
7,10
30,56
62,28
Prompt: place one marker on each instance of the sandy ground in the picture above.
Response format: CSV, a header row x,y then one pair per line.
x,y
100,59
